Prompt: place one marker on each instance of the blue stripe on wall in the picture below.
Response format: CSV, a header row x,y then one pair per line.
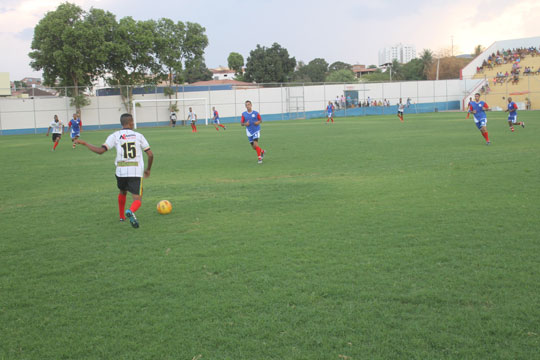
x,y
364,111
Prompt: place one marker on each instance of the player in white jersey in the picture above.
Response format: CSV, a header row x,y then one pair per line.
x,y
57,131
400,110
172,116
130,170
193,118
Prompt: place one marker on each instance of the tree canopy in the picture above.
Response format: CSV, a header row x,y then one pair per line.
x,y
314,71
267,65
342,75
339,65
73,47
196,70
235,61
70,45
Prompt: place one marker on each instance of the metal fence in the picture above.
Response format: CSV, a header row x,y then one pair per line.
x,y
33,111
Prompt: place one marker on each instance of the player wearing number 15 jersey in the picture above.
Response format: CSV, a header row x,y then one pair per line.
x,y
130,170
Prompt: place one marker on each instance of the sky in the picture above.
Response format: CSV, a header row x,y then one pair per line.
x,y
346,30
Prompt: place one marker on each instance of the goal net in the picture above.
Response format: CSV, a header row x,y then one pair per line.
x,y
157,111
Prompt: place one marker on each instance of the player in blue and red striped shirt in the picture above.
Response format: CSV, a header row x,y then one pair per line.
x,y
468,107
512,115
330,112
75,125
251,119
477,108
216,119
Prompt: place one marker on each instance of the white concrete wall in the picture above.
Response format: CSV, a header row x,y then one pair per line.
x,y
106,110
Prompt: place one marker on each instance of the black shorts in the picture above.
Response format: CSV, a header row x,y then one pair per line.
x,y
56,136
131,184
173,121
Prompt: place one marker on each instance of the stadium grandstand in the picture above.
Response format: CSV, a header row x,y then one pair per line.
x,y
507,68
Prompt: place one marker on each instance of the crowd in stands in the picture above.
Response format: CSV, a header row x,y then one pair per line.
x,y
514,57
485,89
342,102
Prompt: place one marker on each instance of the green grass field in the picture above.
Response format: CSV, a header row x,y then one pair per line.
x,y
365,239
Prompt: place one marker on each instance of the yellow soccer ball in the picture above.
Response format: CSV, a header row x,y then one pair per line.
x,y
164,207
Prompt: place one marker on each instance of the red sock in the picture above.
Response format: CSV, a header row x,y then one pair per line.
x,y
194,128
223,126
217,129
258,149
332,119
468,115
485,135
135,205
121,205
56,144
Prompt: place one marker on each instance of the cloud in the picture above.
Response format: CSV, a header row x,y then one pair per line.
x,y
16,60
349,30
26,35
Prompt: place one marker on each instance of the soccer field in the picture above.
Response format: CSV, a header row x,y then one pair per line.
x,y
363,239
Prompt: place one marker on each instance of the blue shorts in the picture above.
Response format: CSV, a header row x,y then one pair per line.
x,y
75,134
254,137
216,121
480,123
512,118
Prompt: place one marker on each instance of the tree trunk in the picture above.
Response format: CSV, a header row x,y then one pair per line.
x,y
76,92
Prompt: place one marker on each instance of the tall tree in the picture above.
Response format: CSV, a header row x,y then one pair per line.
x,y
196,70
168,48
316,70
180,46
478,49
70,46
169,41
235,61
265,65
300,73
339,65
195,42
427,59
396,70
376,76
413,70
132,57
342,76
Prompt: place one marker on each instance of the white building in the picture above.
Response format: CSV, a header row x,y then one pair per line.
x,y
401,53
222,73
